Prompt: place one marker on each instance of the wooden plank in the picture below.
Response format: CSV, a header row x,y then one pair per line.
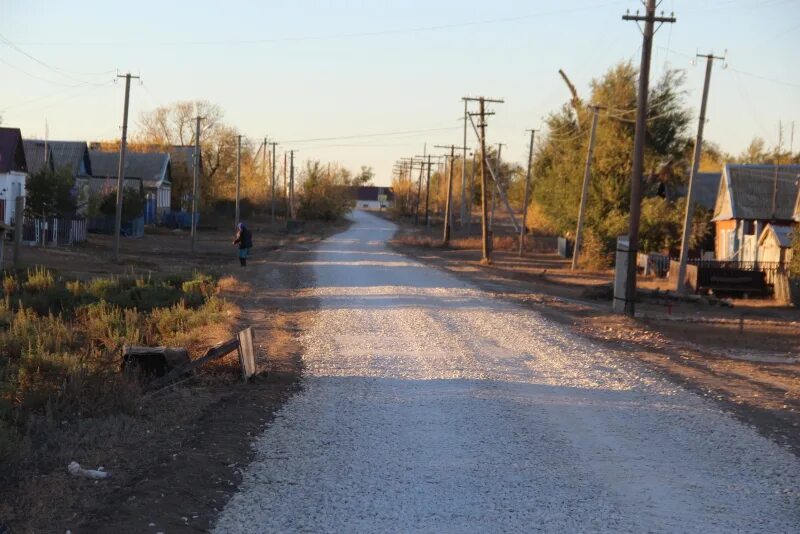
x,y
247,357
217,351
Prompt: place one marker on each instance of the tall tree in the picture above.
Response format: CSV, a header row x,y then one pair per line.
x,y
560,157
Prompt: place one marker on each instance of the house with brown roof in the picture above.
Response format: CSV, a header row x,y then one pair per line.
x,y
749,198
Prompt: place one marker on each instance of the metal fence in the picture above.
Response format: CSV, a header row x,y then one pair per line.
x,y
771,269
54,231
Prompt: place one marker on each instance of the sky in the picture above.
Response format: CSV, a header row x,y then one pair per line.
x,y
367,82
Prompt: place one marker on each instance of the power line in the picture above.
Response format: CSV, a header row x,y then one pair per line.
x,y
61,72
378,33
382,134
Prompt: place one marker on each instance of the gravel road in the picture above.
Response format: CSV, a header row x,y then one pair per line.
x,y
430,406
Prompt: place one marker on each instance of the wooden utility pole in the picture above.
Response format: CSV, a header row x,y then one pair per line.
x,y
680,286
123,145
195,181
522,228
497,170
238,176
428,194
425,165
448,202
272,179
587,173
291,184
471,194
285,185
486,237
463,214
19,225
649,19
264,159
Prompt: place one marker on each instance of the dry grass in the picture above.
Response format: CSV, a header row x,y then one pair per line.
x,y
62,339
507,243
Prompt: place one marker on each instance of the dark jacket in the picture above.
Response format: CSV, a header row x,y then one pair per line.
x,y
244,238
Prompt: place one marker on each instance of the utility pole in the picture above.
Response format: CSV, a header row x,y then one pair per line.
x,y
522,228
238,176
447,206
264,158
425,165
195,181
471,194
419,184
680,286
497,183
272,179
291,184
463,214
587,173
649,19
285,185
486,237
428,195
123,145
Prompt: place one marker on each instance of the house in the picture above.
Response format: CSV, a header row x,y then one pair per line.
x,y
152,168
750,197
373,197
775,244
13,172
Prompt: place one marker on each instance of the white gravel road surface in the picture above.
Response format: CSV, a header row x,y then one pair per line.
x,y
427,405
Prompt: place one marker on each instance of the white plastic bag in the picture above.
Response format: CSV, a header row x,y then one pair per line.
x,y
75,469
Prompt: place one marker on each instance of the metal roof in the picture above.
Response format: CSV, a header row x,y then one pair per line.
x,y
706,187
760,192
152,168
782,234
12,152
37,155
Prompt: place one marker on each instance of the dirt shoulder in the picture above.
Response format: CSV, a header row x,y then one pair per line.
x,y
698,346
176,462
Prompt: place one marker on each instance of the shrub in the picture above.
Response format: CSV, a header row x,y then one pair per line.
x,y
38,280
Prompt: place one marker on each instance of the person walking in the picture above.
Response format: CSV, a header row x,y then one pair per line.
x,y
244,238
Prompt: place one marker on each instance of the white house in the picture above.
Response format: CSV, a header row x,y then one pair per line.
x,y
373,197
13,172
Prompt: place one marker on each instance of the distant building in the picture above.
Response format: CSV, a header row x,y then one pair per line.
x,y
13,172
152,168
374,197
749,198
706,187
